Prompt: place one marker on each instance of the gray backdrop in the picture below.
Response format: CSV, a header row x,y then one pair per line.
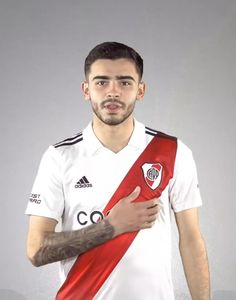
x,y
189,51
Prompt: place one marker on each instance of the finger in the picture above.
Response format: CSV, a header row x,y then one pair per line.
x,y
151,219
148,203
153,211
155,205
147,225
134,194
153,202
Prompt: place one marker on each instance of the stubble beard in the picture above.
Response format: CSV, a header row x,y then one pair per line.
x,y
112,119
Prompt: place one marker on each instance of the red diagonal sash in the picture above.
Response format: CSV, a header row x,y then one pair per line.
x,y
92,268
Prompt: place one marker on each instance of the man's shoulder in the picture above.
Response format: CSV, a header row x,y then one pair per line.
x,y
70,141
160,134
68,147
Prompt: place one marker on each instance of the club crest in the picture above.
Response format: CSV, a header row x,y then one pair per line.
x,y
152,174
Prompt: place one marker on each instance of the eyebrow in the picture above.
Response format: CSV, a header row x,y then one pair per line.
x,y
126,77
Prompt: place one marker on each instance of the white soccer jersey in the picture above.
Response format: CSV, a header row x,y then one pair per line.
x,y
76,179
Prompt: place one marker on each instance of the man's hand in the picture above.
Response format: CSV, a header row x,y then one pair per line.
x,y
45,246
127,216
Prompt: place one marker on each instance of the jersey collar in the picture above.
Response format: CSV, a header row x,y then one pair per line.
x,y
92,143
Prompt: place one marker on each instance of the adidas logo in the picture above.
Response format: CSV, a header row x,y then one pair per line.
x,y
83,183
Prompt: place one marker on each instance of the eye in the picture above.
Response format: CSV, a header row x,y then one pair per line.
x,y
126,83
101,82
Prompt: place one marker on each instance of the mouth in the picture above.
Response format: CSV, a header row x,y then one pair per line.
x,y
112,106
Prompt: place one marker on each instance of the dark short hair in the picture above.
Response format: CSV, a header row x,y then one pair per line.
x,y
113,50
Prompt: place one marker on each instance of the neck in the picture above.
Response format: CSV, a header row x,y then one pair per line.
x,y
114,137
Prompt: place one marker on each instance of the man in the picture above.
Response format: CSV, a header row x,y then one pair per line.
x,y
113,185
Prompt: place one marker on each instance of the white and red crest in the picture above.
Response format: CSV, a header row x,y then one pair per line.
x,y
152,174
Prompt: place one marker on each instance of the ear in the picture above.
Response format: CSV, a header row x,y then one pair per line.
x,y
141,90
85,90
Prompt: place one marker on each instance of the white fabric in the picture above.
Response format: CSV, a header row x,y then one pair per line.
x,y
145,270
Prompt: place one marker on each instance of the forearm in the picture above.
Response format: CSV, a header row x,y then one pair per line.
x,y
57,246
196,268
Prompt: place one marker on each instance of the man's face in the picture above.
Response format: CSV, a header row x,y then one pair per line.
x,y
113,86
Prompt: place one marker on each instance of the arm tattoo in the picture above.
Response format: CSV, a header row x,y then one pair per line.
x,y
62,245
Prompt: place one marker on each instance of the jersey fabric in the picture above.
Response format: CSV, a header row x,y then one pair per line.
x,y
76,179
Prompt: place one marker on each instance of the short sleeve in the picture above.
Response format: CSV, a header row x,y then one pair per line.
x,y
47,198
184,190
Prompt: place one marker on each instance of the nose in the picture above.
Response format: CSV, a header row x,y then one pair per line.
x,y
113,91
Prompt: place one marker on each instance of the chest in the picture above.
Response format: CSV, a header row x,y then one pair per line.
x,y
90,182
